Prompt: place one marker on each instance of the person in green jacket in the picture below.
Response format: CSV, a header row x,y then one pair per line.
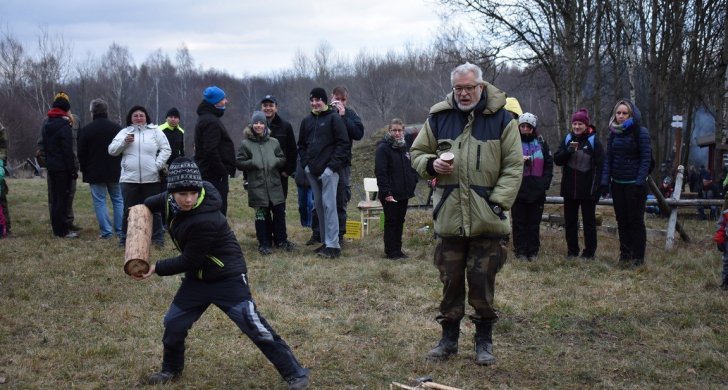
x,y
261,156
471,144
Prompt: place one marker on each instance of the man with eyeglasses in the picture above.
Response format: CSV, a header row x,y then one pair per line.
x,y
471,144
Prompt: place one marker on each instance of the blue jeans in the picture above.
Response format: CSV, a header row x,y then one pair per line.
x,y
324,198
98,194
305,205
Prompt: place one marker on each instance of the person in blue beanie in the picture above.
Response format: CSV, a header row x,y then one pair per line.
x,y
214,149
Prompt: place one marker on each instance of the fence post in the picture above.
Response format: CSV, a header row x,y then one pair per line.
x,y
670,239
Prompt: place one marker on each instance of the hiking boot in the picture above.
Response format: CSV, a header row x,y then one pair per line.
x,y
264,250
484,343
300,383
330,253
448,344
638,263
161,377
286,246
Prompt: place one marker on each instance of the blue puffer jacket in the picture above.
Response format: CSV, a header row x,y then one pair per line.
x,y
627,158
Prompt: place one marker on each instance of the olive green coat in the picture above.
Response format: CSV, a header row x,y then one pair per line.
x,y
488,165
262,158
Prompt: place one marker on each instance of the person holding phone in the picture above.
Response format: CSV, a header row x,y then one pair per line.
x,y
580,155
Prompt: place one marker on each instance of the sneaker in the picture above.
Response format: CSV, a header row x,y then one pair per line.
x,y
330,253
300,383
286,246
313,241
161,377
71,234
265,250
319,249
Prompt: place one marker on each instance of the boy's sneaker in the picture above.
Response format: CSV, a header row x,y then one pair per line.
x,y
161,377
265,250
330,253
300,383
286,246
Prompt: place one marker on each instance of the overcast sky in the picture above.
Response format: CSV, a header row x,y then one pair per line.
x,y
241,37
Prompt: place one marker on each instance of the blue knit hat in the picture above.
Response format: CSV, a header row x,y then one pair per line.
x,y
213,94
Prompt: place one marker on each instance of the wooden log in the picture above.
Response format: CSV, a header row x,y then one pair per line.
x,y
138,241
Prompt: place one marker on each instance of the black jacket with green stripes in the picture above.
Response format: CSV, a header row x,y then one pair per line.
x,y
208,248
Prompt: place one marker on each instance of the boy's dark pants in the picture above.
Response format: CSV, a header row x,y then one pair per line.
x,y
233,297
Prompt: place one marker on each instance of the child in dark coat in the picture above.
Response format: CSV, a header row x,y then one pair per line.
x,y
215,273
720,239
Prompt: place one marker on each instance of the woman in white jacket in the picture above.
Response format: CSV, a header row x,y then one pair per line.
x,y
144,150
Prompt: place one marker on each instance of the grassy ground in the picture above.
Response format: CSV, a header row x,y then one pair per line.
x,y
70,318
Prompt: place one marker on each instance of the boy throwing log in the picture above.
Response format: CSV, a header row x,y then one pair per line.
x,y
215,273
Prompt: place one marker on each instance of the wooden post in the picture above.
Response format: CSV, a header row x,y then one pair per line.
x,y
669,241
138,240
665,209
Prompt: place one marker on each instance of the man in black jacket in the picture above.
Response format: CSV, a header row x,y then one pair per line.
x,y
100,169
281,130
323,145
214,150
355,131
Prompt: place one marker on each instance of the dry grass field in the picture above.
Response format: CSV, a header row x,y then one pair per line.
x,y
70,318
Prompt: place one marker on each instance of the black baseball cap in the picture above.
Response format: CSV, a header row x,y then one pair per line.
x,y
269,98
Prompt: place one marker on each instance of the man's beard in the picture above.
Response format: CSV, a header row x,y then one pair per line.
x,y
468,107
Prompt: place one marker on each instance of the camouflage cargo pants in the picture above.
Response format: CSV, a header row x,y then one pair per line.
x,y
478,259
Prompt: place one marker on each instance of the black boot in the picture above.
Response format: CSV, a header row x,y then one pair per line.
x,y
173,362
484,343
448,344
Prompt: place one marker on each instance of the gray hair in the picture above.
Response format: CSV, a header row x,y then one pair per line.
x,y
98,107
467,68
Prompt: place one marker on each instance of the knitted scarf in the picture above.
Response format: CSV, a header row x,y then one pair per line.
x,y
396,143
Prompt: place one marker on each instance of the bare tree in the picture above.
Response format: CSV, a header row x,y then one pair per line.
x,y
118,73
47,69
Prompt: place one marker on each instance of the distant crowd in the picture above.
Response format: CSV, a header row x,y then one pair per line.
x,y
487,164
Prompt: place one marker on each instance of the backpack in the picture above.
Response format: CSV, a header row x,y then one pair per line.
x,y
591,137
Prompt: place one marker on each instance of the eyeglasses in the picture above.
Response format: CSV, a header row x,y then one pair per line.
x,y
466,88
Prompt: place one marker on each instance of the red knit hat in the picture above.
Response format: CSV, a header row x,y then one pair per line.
x,y
581,116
